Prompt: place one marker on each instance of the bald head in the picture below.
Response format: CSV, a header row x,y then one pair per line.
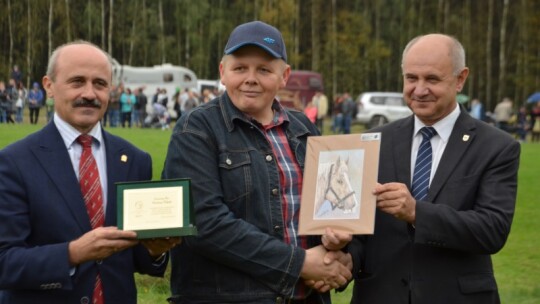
x,y
51,66
455,51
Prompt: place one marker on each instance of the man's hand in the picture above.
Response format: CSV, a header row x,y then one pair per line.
x,y
157,247
328,269
99,244
395,199
335,240
331,256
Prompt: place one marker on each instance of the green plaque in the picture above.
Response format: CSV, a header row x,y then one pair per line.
x,y
156,209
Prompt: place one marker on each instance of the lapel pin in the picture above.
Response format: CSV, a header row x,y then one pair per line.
x,y
123,158
466,137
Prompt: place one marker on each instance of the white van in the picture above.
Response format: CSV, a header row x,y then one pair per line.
x,y
167,76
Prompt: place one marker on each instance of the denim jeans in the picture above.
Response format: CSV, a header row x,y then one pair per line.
x,y
19,115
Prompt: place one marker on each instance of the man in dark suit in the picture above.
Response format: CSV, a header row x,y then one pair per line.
x,y
50,252
435,246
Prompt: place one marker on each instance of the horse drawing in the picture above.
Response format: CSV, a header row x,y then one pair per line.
x,y
334,191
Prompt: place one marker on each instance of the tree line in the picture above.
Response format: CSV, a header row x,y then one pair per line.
x,y
355,44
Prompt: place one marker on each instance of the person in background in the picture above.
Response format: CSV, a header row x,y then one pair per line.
x,y
522,124
5,102
446,196
49,106
35,102
127,106
12,96
191,102
321,102
503,114
207,95
16,74
141,103
245,154
337,113
59,242
347,110
113,109
176,99
21,101
535,123
311,112
477,110
162,97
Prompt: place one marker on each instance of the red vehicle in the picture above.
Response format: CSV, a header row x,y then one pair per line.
x,y
300,89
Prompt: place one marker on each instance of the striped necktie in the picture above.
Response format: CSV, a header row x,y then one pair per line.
x,y
422,168
93,197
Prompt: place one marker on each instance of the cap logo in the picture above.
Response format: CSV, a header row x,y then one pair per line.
x,y
269,40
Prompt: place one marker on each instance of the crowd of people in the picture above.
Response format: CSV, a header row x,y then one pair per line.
x,y
445,196
14,98
523,122
129,108
343,111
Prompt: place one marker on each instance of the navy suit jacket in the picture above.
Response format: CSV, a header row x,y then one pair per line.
x,y
42,210
465,218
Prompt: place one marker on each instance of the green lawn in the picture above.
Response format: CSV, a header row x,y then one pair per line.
x,y
517,266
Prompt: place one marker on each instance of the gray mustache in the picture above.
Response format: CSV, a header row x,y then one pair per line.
x,y
94,103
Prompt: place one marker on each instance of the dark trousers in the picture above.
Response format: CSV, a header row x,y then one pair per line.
x,y
34,115
126,117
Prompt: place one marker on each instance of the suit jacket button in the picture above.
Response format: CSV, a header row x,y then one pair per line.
x,y
275,192
85,300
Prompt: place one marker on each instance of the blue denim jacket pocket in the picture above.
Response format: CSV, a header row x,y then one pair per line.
x,y
235,166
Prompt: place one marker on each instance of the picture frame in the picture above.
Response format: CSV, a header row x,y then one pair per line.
x,y
156,209
339,175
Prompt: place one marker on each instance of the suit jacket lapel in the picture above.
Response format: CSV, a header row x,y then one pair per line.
x,y
460,139
52,155
118,164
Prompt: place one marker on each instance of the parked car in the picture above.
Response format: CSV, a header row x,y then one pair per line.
x,y
379,108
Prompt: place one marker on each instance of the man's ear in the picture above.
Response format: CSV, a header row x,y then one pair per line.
x,y
286,74
461,79
47,85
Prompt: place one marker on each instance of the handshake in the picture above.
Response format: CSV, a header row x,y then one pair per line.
x,y
327,267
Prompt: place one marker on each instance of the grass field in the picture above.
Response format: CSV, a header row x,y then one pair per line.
x,y
517,266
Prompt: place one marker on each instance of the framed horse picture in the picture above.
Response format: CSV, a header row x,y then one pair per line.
x,y
339,174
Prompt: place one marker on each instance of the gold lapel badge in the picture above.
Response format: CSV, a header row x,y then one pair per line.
x,y
123,158
466,137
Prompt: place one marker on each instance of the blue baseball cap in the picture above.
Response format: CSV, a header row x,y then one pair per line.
x,y
259,34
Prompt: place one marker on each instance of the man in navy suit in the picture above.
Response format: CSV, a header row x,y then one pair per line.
x,y
436,247
49,252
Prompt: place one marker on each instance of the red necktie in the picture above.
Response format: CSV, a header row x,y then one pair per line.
x,y
92,194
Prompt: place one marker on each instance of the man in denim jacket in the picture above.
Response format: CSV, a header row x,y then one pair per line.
x,y
245,155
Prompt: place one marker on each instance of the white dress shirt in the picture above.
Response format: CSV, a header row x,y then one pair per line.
x,y
444,128
70,135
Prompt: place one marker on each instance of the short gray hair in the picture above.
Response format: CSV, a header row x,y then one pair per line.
x,y
51,66
457,52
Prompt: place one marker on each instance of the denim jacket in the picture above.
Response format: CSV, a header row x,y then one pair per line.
x,y
239,253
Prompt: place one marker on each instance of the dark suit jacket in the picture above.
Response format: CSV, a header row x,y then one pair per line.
x,y
42,210
466,217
